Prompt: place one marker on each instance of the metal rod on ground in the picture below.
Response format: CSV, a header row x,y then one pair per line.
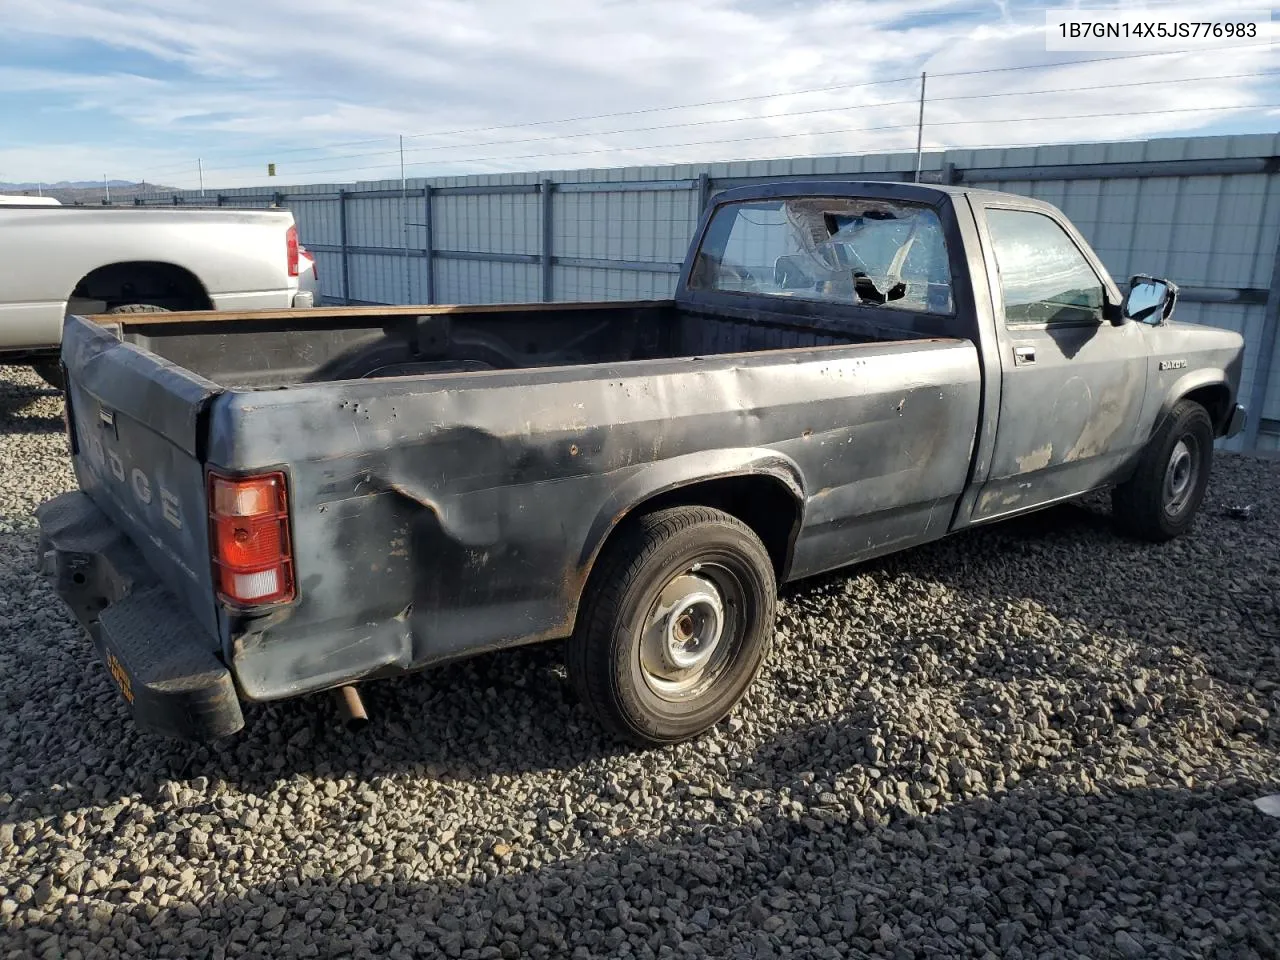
x,y
920,129
200,171
404,221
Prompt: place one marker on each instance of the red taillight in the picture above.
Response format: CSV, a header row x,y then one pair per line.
x,y
249,532
291,249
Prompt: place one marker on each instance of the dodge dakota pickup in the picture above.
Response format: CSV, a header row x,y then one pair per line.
x,y
268,509
61,260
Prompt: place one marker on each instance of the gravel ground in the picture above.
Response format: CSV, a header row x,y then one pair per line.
x,y
1036,740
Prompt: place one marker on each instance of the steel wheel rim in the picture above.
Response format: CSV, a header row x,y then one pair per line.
x,y
690,632
1181,475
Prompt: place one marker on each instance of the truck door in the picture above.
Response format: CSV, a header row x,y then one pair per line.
x,y
1072,383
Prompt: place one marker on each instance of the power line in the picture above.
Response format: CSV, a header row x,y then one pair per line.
x,y
822,133
785,115
734,100
772,116
1072,63
606,116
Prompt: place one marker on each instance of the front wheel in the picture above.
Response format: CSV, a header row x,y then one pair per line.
x,y
676,622
1159,502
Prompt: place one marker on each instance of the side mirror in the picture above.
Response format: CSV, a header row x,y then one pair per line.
x,y
1149,300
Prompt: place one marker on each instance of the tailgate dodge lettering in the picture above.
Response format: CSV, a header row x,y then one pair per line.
x,y
110,462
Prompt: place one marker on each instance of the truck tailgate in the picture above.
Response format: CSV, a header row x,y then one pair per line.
x,y
137,437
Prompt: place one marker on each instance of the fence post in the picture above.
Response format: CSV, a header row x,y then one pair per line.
x,y
704,191
547,188
342,244
1266,353
428,245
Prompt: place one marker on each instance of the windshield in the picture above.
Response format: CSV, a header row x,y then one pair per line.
x,y
849,250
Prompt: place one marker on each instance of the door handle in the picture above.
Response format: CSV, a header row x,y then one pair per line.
x,y
1024,356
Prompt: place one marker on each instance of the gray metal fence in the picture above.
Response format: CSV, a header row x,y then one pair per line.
x,y
1204,211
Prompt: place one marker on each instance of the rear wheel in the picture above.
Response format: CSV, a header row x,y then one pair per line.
x,y
676,623
1160,500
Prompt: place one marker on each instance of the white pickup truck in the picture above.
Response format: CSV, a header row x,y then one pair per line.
x,y
60,260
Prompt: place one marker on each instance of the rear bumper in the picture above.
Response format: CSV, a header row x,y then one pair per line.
x,y
159,658
1237,420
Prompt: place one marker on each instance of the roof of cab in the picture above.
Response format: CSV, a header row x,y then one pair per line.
x,y
880,189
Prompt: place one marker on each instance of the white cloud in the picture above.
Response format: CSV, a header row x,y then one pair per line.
x,y
258,79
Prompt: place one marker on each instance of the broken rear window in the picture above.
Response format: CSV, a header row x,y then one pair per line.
x,y
847,250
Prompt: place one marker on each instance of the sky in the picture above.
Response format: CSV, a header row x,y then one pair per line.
x,y
142,89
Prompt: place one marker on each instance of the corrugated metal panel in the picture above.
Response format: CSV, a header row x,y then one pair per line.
x,y
645,226
589,283
475,281
318,220
497,223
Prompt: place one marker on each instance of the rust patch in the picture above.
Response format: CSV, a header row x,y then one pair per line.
x,y
1037,459
1114,412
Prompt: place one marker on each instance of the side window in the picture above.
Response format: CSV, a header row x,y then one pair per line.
x,y
1043,275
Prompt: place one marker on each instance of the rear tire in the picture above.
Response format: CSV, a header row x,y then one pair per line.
x,y
675,624
139,308
1159,502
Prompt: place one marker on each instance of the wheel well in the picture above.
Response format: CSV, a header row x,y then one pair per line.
x,y
1216,399
763,503
162,284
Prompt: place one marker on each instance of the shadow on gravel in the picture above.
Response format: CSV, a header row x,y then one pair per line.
x,y
1191,596
1152,872
454,723
15,398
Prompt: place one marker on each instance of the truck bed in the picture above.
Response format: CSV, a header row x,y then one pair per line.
x,y
272,349
453,472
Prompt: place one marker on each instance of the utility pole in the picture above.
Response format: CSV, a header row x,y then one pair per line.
x,y
200,172
920,128
107,187
404,221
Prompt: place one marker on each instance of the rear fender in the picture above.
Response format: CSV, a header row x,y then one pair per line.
x,y
666,476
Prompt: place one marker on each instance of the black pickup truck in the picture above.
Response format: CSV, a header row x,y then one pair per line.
x,y
272,506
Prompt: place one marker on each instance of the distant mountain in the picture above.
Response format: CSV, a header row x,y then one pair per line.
x,y
64,184
85,191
